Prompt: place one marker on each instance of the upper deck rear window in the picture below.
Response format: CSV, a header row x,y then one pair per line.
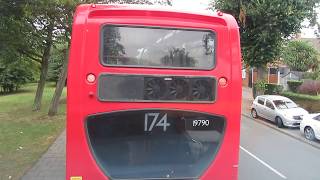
x,y
158,47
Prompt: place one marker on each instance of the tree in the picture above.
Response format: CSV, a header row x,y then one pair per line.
x,y
13,75
44,16
300,56
55,63
67,7
266,24
29,31
112,44
178,57
14,69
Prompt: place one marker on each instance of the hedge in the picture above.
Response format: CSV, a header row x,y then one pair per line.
x,y
273,88
293,85
292,95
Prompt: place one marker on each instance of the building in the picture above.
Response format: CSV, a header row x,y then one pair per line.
x,y
277,72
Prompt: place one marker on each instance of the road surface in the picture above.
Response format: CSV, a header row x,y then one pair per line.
x,y
266,154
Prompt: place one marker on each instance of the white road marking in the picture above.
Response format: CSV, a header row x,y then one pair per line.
x,y
264,163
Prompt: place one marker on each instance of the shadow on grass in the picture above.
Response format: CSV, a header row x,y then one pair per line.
x,y
20,91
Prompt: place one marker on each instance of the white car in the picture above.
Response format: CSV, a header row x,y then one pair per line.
x,y
281,110
310,126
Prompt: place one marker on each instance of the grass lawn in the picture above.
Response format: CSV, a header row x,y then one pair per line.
x,y
25,135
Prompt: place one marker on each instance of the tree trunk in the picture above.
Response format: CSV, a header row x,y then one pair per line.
x,y
44,70
53,109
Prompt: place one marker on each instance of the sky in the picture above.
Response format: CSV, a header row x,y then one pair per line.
x,y
306,32
190,4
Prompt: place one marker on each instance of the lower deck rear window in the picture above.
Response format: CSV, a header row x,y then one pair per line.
x,y
154,144
157,47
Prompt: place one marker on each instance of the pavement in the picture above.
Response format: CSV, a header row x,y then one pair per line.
x,y
51,166
266,152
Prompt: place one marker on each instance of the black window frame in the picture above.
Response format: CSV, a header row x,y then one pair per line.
x,y
213,66
272,106
261,98
273,71
214,89
317,118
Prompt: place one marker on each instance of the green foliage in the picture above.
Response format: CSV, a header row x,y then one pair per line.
x,y
258,88
25,25
12,8
265,25
308,102
300,56
294,85
54,70
312,75
13,75
260,85
293,95
55,64
273,88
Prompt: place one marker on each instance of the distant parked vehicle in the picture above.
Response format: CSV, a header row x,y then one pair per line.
x,y
281,110
310,126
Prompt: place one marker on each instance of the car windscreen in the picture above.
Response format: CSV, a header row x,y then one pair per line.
x,y
280,104
157,47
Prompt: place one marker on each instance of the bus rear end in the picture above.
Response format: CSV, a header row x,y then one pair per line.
x,y
153,94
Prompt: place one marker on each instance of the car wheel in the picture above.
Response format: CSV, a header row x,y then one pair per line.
x,y
279,122
309,133
254,113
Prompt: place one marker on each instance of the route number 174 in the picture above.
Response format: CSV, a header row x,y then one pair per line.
x,y
152,120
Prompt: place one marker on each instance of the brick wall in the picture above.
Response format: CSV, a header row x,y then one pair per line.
x,y
273,78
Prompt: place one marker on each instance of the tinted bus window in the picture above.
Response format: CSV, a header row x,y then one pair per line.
x,y
134,145
157,47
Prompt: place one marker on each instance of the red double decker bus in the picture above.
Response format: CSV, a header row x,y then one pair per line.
x,y
153,94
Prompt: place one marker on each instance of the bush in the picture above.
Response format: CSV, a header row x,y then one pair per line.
x,y
293,85
310,87
13,75
297,96
259,88
273,88
308,102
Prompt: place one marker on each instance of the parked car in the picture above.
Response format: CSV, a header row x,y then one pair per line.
x,y
310,126
281,110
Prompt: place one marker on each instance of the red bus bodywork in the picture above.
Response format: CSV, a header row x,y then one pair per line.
x,y
85,59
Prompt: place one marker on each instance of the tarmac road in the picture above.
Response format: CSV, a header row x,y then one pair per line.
x,y
267,154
